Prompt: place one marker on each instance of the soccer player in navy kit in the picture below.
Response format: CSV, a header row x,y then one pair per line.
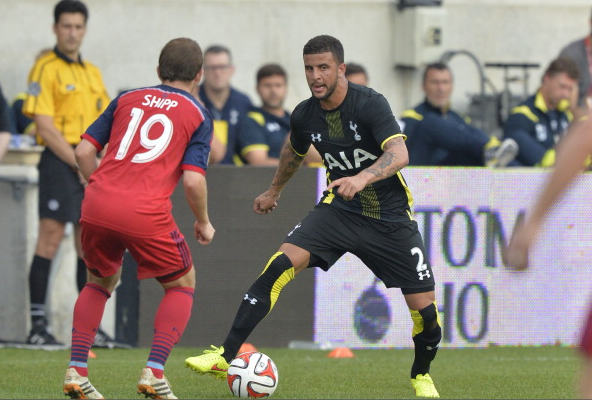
x,y
365,209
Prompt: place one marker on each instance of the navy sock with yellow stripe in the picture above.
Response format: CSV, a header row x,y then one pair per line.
x,y
258,302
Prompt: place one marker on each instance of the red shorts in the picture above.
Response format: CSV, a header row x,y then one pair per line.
x,y
166,257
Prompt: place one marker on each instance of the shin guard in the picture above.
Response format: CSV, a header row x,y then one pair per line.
x,y
426,336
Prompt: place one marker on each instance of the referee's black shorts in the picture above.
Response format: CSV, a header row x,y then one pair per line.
x,y
60,190
393,251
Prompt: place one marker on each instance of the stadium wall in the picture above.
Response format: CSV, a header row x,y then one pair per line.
x,y
464,215
244,241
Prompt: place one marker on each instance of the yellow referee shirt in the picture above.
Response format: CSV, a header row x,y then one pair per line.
x,y
72,92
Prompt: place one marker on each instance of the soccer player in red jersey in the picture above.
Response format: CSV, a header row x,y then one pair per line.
x,y
154,136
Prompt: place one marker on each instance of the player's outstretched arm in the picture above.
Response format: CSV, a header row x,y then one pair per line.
x,y
395,158
289,164
196,193
571,154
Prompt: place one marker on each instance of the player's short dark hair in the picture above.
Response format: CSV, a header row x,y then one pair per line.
x,y
180,60
354,68
436,65
267,70
217,49
324,44
70,6
563,64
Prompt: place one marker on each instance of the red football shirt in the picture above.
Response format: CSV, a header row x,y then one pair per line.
x,y
152,134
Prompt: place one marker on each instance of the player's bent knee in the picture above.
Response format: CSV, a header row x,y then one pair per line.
x,y
109,283
279,264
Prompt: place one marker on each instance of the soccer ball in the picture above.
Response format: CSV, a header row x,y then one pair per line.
x,y
252,374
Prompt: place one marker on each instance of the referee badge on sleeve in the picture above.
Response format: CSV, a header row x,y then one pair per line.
x,y
34,89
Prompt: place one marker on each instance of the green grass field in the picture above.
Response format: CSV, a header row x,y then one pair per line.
x,y
492,373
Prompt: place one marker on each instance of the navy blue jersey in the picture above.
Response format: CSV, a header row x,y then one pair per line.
x,y
437,138
349,139
536,129
263,130
227,121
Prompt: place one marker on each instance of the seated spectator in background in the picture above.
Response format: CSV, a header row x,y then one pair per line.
x,y
22,123
438,136
580,51
540,121
263,134
4,125
356,73
227,105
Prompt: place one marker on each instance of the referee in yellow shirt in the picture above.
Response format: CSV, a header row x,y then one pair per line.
x,y
65,95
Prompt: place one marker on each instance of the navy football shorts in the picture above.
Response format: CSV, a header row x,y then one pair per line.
x,y
393,251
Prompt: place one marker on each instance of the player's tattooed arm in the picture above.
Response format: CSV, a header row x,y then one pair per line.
x,y
289,164
395,158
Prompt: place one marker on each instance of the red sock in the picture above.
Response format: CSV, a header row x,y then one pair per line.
x,y
88,312
170,322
